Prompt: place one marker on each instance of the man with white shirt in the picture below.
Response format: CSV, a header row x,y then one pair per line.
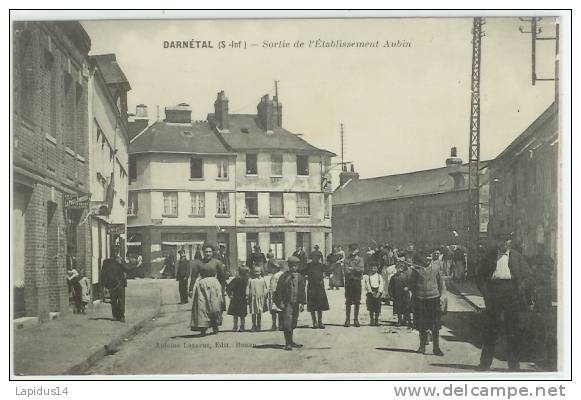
x,y
502,279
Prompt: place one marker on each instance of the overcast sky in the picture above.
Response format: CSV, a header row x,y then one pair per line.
x,y
403,108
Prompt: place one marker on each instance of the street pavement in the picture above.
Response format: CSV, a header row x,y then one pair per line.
x,y
167,346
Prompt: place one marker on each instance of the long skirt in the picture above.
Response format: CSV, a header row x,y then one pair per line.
x,y
427,314
317,298
402,303
207,304
337,278
288,317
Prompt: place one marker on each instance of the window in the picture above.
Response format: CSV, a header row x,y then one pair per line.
x,y
277,245
133,203
327,201
222,168
302,165
276,204
303,206
276,164
251,201
251,164
132,168
198,204
222,204
27,77
170,204
196,168
69,111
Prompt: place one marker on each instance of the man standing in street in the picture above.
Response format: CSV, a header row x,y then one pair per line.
x,y
302,256
502,279
182,276
353,274
114,279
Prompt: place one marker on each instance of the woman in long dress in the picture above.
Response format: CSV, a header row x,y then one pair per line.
x,y
337,275
206,288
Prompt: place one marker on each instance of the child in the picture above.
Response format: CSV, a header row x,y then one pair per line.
x,y
73,279
400,294
85,292
256,293
236,290
373,290
274,310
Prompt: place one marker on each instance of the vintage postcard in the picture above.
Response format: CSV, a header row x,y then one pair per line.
x,y
287,196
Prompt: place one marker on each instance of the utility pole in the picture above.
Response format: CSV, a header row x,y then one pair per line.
x,y
535,32
474,151
278,116
342,149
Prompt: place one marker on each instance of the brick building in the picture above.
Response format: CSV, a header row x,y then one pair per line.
x,y
50,153
423,207
524,192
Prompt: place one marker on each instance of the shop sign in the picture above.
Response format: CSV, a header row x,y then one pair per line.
x,y
75,201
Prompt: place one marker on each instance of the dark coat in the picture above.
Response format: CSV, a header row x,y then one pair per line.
x,y
283,290
183,271
113,273
236,290
519,270
316,296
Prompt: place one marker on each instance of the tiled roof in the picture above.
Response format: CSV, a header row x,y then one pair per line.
x,y
162,137
417,183
137,126
111,71
245,134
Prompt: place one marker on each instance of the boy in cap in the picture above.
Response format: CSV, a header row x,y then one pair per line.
x,y
353,273
290,297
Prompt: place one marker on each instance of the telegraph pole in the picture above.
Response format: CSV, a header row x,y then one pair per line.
x,y
342,149
474,151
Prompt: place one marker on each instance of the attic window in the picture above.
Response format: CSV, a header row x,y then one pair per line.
x,y
187,134
244,130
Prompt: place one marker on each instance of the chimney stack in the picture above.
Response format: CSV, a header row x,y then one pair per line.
x,y
347,175
453,159
221,111
454,164
269,113
180,114
141,112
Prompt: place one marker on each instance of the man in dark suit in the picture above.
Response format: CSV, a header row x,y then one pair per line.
x,y
503,280
290,297
113,278
182,276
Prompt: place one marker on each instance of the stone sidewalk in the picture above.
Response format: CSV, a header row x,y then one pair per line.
x,y
468,291
70,344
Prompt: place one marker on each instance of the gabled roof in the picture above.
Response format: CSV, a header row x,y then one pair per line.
x,y
246,134
112,72
417,183
193,138
544,127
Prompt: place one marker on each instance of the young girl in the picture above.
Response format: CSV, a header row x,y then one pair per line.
x,y
373,290
256,294
85,292
236,290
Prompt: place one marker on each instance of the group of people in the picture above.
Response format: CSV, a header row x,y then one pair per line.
x,y
79,286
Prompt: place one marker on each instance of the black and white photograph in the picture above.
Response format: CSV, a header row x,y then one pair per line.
x,y
278,196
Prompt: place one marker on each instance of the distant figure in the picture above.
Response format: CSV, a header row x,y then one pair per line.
x,y
223,257
73,280
85,292
290,298
274,310
256,259
236,290
373,292
114,279
503,279
337,278
302,256
182,276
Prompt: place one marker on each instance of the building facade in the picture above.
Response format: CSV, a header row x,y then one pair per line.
x,y
235,179
108,162
50,163
524,193
283,191
427,208
181,190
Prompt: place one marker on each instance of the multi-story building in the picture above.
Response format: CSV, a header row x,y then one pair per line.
x,y
428,208
50,163
181,190
283,192
524,188
108,161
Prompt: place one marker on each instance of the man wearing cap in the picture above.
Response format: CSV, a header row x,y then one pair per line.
x,y
290,297
353,274
182,276
502,279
